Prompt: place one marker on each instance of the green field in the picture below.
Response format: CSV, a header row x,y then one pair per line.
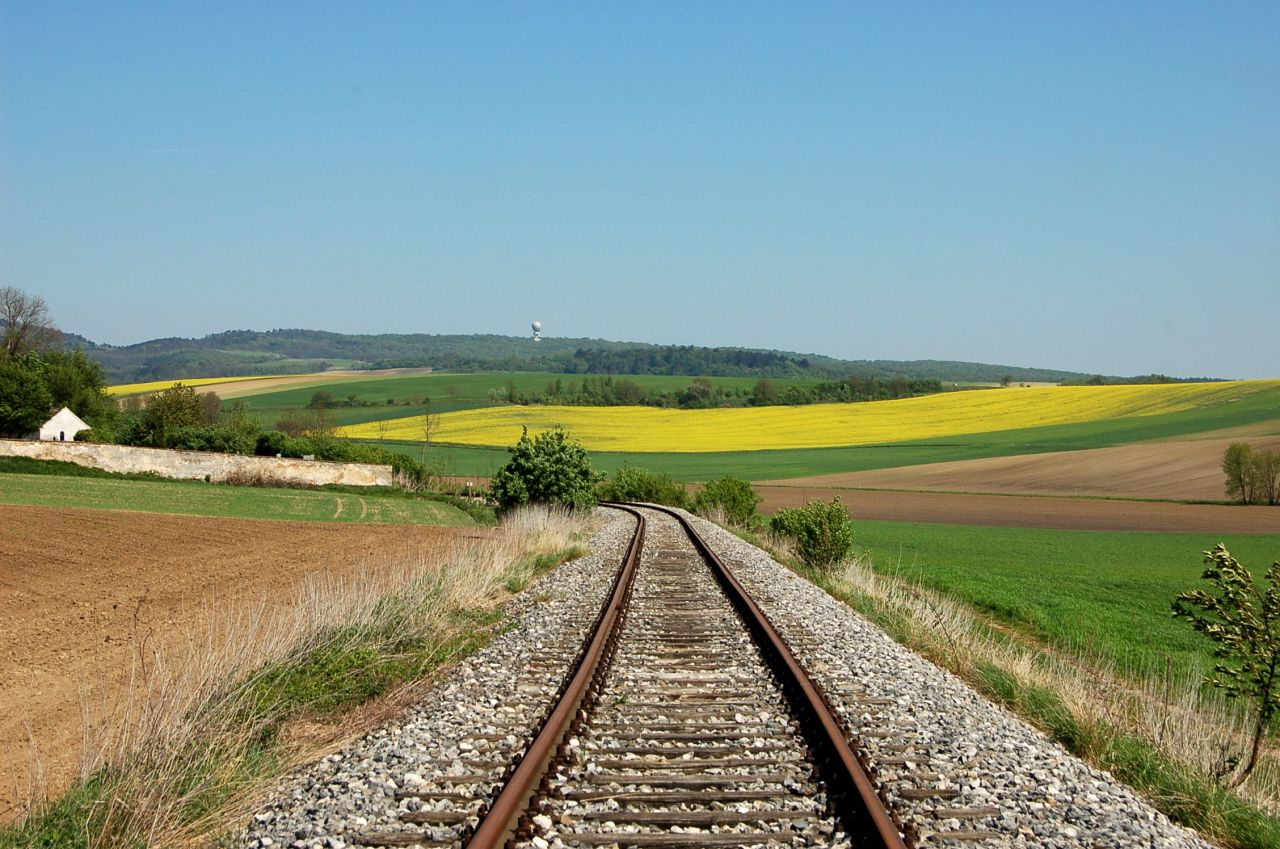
x,y
772,465
400,396
1105,593
197,498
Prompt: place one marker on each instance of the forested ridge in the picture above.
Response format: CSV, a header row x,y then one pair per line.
x,y
248,352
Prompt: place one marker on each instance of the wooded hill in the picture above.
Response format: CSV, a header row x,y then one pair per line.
x,y
247,352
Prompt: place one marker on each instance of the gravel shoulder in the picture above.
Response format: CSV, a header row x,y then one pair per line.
x,y
953,762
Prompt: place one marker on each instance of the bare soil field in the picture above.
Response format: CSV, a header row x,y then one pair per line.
x,y
81,591
240,388
1032,511
1184,470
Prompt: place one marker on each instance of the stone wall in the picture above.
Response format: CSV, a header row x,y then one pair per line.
x,y
199,465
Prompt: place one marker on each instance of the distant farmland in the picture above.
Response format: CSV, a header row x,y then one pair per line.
x,y
932,417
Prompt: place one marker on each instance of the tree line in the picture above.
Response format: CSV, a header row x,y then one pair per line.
x,y
702,393
37,376
242,352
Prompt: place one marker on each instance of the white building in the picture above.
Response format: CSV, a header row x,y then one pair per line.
x,y
63,427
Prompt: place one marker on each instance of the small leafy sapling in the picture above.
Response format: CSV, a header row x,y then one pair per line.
x,y
1244,620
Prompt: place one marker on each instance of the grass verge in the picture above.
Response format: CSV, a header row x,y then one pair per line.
x,y
197,498
260,689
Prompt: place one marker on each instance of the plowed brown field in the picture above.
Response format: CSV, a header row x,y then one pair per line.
x,y
1187,470
80,590
1013,511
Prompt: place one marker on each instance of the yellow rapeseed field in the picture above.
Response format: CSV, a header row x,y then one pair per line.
x,y
157,385
819,425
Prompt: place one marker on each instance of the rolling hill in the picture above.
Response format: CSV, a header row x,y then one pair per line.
x,y
294,351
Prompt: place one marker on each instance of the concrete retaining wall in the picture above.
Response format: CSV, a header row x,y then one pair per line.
x,y
199,465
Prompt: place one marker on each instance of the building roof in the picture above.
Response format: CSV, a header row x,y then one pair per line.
x,y
66,420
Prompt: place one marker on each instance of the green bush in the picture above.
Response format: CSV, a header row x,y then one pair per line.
x,y
224,438
551,468
823,532
732,495
24,398
632,484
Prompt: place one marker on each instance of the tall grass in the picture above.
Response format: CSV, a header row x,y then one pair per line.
x,y
259,686
1159,731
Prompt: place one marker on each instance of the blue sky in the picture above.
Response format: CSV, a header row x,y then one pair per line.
x,y
1077,185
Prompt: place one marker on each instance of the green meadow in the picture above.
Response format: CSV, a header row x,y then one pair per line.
x,y
196,498
401,396
1104,593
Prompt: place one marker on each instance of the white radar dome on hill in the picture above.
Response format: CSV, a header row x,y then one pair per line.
x,y
537,331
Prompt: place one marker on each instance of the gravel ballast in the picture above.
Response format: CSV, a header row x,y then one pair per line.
x,y
1002,782
961,770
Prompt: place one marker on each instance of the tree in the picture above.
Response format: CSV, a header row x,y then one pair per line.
x,y
77,382
698,395
1266,476
764,393
733,496
1244,620
25,326
550,468
1006,379
24,399
1238,465
823,532
210,408
428,423
167,412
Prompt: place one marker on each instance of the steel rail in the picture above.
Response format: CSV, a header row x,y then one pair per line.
x,y
502,821
865,815
844,773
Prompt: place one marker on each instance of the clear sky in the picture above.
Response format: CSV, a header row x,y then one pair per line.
x,y
1089,186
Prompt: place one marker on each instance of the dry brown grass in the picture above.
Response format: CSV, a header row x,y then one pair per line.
x,y
202,724
1170,711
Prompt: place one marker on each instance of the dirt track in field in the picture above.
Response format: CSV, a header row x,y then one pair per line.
x,y
81,590
1186,470
242,388
1013,511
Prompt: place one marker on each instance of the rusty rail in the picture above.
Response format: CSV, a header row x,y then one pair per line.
x,y
863,811
844,774
502,821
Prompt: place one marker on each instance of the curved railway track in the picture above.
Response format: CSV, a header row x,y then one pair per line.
x,y
684,721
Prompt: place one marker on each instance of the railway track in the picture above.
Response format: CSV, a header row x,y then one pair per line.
x,y
693,734
684,721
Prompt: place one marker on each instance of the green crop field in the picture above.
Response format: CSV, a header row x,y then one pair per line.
x,y
197,498
1106,593
400,396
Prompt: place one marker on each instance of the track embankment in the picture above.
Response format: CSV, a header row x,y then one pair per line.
x,y
686,741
